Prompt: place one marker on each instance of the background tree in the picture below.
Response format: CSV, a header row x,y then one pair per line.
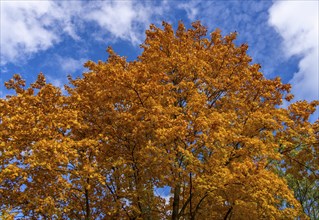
x,y
191,114
301,167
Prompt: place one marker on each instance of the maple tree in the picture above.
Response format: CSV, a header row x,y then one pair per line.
x,y
191,114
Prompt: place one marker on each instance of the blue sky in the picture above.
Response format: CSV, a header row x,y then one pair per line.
x,y
57,37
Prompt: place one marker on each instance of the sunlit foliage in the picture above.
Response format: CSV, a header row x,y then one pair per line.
x,y
191,114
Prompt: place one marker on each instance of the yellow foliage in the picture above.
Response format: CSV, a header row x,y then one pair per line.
x,y
191,114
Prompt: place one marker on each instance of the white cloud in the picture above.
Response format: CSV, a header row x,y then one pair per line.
x,y
28,27
297,23
22,32
70,65
191,9
63,66
31,26
124,20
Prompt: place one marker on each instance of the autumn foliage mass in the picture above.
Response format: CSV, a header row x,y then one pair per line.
x,y
191,115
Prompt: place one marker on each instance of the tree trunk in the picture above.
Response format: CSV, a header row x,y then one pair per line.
x,y
177,191
87,202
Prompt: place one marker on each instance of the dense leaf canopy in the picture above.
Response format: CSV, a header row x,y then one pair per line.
x,y
191,114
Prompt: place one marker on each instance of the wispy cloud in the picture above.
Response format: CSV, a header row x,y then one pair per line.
x,y
70,65
191,8
61,66
124,20
28,27
31,26
297,23
21,31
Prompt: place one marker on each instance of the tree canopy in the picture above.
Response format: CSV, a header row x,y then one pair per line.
x,y
191,114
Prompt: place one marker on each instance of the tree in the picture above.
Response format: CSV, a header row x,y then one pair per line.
x,y
191,114
301,168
